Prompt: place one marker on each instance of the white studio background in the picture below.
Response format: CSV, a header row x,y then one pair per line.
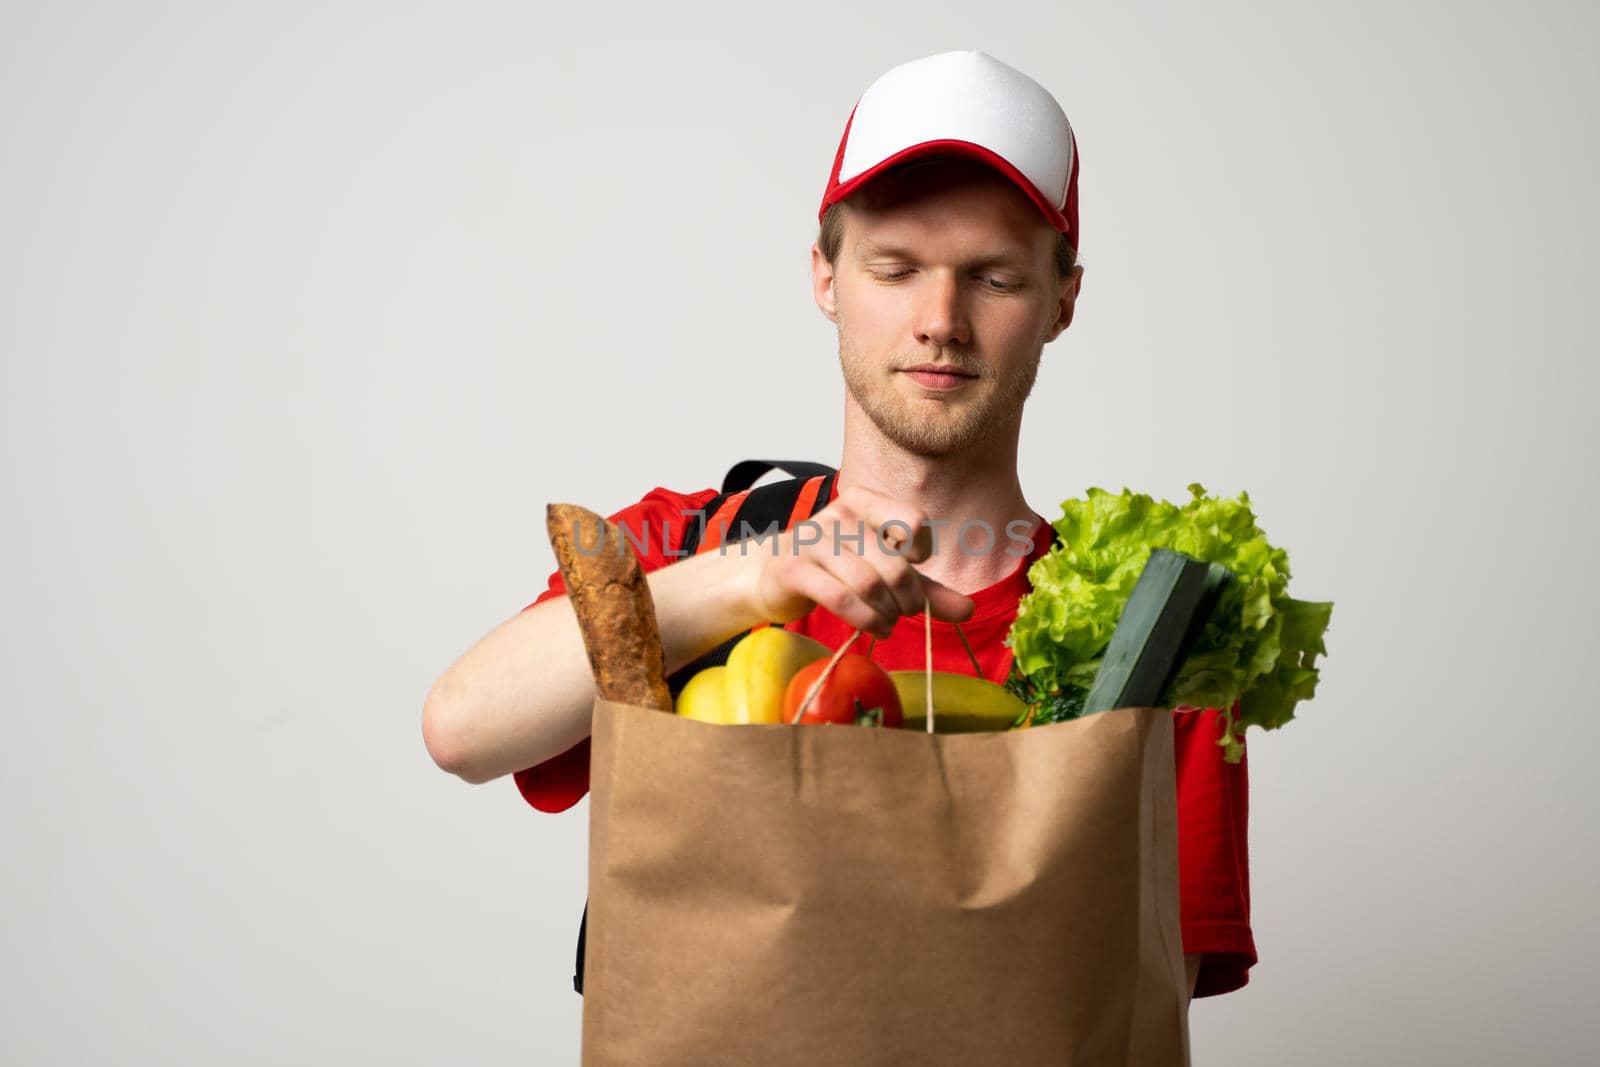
x,y
310,308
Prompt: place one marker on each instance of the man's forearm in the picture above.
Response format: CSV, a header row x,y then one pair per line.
x,y
524,692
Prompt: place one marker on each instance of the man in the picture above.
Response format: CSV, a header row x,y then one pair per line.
x,y
947,260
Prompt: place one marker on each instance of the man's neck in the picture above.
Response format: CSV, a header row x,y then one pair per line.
x,y
979,488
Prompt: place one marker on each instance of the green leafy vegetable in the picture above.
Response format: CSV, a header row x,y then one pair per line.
x,y
1258,649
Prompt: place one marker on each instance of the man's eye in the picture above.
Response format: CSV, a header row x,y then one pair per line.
x,y
998,285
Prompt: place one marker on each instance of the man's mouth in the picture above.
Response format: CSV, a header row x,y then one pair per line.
x,y
940,376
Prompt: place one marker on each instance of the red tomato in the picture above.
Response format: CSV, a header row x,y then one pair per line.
x,y
857,693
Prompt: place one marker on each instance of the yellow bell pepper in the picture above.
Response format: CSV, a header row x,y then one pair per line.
x,y
759,669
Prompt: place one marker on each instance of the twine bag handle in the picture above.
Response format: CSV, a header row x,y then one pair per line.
x,y
927,663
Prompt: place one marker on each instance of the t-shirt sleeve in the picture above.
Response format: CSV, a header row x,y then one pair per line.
x,y
1213,853
654,528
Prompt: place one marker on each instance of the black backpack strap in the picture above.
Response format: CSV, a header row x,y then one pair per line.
x,y
768,508
697,525
583,932
763,506
825,492
770,504
744,474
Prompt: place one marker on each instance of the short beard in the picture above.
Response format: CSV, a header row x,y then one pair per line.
x,y
997,407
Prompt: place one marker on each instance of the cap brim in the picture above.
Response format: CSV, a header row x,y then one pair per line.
x,y
951,147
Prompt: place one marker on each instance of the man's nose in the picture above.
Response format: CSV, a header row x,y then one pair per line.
x,y
942,313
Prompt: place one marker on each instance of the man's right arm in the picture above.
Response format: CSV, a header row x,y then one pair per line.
x,y
524,693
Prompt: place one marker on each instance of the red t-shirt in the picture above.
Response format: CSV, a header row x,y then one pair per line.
x,y
1213,795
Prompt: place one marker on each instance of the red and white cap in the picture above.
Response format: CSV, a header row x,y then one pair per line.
x,y
965,103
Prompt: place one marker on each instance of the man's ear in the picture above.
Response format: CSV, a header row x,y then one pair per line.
x,y
1068,300
822,284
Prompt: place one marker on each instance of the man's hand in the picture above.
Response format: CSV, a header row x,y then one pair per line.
x,y
855,557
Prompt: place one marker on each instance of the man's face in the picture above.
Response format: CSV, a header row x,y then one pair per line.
x,y
951,268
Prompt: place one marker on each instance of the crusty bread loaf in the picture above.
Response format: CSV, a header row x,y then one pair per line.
x,y
612,601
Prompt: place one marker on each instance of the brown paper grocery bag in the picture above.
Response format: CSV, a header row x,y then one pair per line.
x,y
772,895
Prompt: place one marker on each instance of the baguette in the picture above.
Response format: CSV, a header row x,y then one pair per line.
x,y
611,598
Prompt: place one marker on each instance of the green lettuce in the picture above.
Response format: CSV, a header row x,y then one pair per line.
x,y
1258,649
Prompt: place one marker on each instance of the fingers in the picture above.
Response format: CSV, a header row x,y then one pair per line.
x,y
947,604
856,591
856,560
852,600
886,599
